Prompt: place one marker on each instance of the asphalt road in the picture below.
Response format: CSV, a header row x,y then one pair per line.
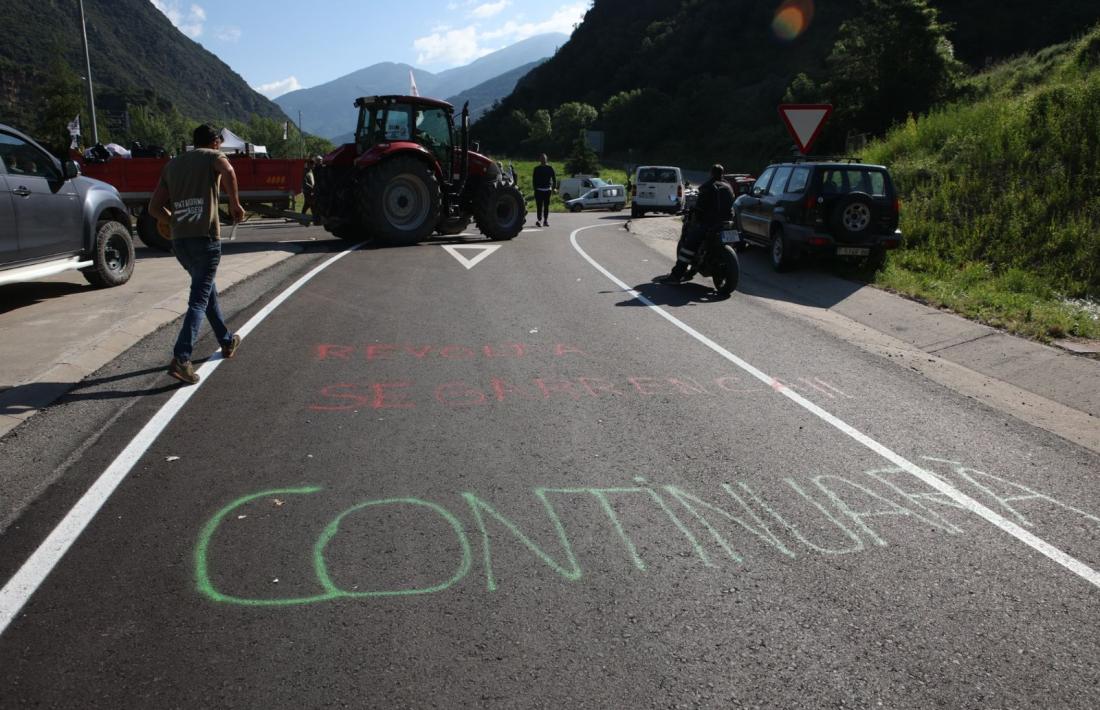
x,y
519,485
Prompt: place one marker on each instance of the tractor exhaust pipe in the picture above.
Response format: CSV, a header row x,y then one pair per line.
x,y
464,172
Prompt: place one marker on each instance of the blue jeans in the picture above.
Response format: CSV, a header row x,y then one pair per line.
x,y
200,257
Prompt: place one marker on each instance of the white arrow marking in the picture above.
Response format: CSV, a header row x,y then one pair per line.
x,y
469,262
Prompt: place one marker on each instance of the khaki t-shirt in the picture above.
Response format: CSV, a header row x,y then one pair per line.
x,y
192,185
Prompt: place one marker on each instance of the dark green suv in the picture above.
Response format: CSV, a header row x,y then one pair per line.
x,y
837,208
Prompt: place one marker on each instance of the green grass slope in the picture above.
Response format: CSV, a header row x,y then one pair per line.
x,y
1001,195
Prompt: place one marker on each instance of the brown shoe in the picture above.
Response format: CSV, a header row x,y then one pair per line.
x,y
230,348
183,371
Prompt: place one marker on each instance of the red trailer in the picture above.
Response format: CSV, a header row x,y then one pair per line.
x,y
266,186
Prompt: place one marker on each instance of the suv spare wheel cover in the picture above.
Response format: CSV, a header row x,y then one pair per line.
x,y
852,216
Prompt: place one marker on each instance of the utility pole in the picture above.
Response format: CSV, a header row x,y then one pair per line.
x,y
88,73
301,136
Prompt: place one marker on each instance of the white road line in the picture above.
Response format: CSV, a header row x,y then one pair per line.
x,y
38,566
1036,543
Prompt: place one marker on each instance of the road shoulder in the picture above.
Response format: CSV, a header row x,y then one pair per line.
x,y
1040,385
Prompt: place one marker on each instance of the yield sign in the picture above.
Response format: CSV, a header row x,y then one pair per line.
x,y
804,121
467,261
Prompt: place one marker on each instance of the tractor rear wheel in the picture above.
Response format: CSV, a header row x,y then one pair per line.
x,y
399,201
500,211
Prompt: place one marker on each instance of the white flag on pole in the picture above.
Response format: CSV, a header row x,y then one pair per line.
x,y
74,132
413,91
286,129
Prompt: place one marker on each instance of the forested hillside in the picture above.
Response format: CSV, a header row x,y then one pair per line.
x,y
1005,185
138,59
698,80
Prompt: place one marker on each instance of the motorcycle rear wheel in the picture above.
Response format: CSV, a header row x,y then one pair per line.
x,y
727,271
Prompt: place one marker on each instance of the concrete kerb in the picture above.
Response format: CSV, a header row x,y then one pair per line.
x,y
1045,386
63,372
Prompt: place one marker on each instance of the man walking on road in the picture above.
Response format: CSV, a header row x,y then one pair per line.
x,y
545,182
186,199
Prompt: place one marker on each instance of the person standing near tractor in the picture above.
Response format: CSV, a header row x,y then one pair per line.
x,y
545,181
309,184
186,200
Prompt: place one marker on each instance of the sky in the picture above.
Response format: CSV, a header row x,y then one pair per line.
x,y
283,45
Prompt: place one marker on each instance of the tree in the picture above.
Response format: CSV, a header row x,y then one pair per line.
x,y
64,101
892,60
569,118
635,119
582,159
541,133
168,130
513,130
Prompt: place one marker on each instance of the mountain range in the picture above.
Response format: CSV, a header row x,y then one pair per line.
x,y
138,57
327,109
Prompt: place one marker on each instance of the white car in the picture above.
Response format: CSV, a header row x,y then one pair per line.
x,y
572,187
608,197
657,188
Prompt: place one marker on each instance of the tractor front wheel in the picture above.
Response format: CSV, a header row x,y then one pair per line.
x,y
500,211
399,201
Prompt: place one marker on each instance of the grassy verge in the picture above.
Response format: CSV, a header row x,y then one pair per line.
x,y
1016,300
1001,197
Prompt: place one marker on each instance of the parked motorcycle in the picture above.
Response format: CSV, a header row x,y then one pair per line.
x,y
717,255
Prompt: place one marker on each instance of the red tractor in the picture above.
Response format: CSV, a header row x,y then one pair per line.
x,y
411,173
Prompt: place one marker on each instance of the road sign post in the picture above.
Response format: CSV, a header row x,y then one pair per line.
x,y
804,121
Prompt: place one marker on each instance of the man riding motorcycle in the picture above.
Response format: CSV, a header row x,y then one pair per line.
x,y
714,206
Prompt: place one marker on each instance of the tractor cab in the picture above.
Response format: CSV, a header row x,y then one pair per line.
x,y
426,123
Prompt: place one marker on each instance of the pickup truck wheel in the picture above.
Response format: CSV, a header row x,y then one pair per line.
x,y
150,234
112,256
500,211
399,201
780,251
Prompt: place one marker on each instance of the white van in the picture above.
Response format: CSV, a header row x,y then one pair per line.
x,y
657,188
608,197
577,185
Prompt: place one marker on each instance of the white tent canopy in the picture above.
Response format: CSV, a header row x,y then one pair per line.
x,y
231,142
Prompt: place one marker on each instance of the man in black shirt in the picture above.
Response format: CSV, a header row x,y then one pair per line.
x,y
714,206
545,182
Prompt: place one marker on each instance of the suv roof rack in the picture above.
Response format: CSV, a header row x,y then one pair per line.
x,y
825,159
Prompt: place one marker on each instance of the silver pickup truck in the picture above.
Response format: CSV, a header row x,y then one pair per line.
x,y
54,220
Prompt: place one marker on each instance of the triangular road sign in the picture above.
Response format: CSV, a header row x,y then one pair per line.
x,y
805,121
470,262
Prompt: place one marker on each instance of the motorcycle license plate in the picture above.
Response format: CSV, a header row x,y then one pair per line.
x,y
852,251
730,236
